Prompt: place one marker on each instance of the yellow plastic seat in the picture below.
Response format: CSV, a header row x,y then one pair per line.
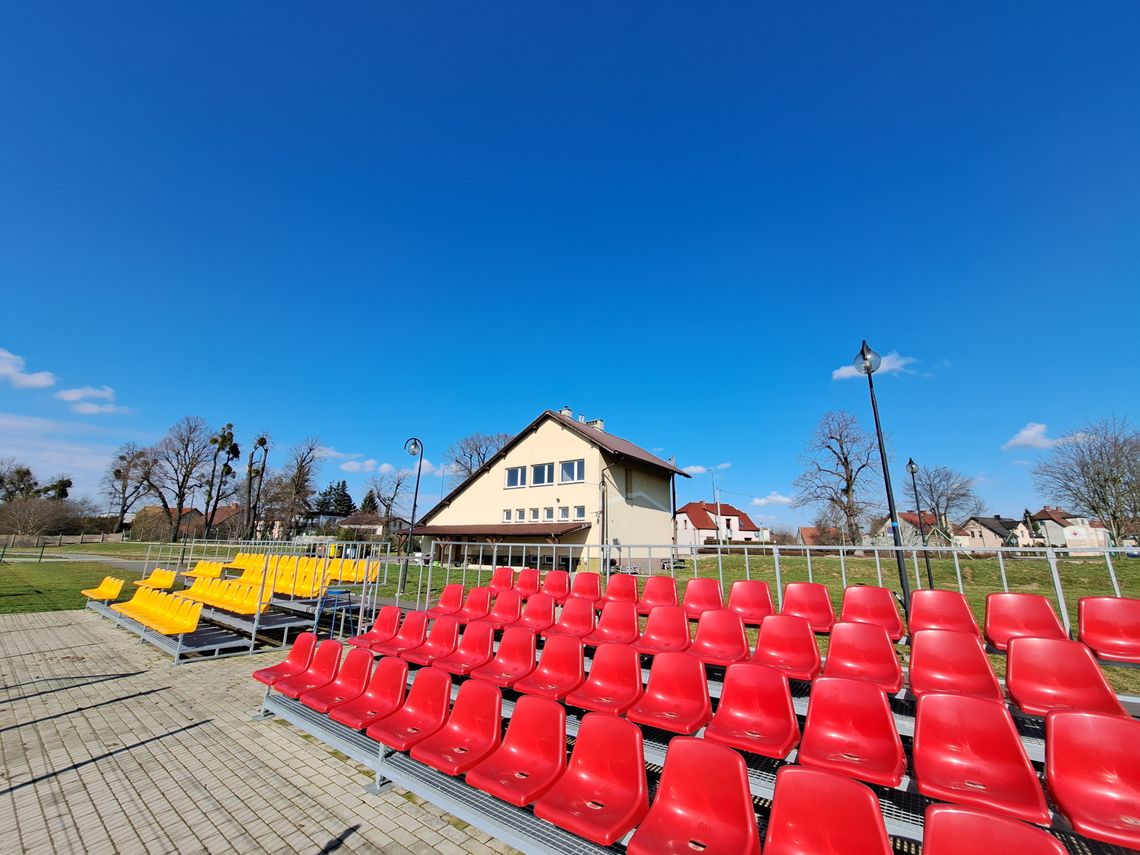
x,y
108,589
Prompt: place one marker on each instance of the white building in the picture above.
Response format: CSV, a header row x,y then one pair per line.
x,y
1059,528
698,522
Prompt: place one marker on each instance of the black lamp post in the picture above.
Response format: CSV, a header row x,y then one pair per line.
x,y
912,468
415,448
868,362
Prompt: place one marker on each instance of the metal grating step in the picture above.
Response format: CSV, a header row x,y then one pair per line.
x,y
354,743
514,826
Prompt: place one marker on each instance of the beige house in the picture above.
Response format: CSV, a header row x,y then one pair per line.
x,y
561,480
992,532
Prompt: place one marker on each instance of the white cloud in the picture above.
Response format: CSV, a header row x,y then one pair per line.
x,y
772,498
1031,436
45,446
325,451
82,392
892,364
695,470
87,408
368,465
386,469
1021,462
12,370
427,468
724,466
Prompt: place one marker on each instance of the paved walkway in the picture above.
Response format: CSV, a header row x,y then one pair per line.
x,y
108,748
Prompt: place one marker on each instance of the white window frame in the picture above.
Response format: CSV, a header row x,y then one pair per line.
x,y
507,478
506,515
520,515
564,513
548,514
580,467
534,515
549,467
579,512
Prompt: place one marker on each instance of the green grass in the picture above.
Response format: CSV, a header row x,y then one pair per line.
x,y
29,586
116,550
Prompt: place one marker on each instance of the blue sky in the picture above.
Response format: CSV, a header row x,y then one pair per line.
x,y
375,221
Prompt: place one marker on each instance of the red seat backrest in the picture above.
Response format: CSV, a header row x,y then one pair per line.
x,y
556,584
621,588
587,585
702,595
944,660
527,582
868,604
952,830
1012,615
751,599
658,591
502,579
939,609
811,601
824,813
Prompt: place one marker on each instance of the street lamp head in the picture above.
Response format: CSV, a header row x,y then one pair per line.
x,y
866,360
413,446
912,467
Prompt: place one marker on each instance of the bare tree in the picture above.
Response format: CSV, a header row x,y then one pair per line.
x,y
1096,472
219,484
123,482
299,480
837,455
464,457
255,471
175,467
389,490
947,494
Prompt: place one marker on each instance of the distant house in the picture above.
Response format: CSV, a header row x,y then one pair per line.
x,y
810,535
1059,528
362,526
936,533
701,521
979,533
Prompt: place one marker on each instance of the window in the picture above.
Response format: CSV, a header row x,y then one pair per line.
x,y
548,514
516,476
506,515
541,474
564,514
534,514
572,471
629,483
685,521
520,515
579,512
728,523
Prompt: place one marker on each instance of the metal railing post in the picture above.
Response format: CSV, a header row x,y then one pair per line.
x,y
1051,557
843,565
1112,573
878,567
1001,569
958,572
807,551
779,584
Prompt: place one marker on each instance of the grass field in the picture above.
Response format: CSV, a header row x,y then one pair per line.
x,y
116,550
49,586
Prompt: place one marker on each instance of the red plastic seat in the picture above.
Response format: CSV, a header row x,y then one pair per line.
x,y
812,602
300,655
560,670
850,729
621,588
702,595
502,579
531,757
383,628
476,607
1044,674
556,585
1092,769
527,583
658,591
823,813
676,695
752,600
538,614
617,625
508,608
868,604
863,651
441,641
614,682
350,682
953,830
476,647
755,712
703,804
586,585
450,601
944,660
787,644
471,733
577,618
412,633
1017,615
514,658
1111,627
667,630
603,793
383,696
423,712
720,638
938,609
967,751
321,671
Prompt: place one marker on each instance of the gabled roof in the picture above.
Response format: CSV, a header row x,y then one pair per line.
x,y
606,441
1056,515
928,519
226,512
1003,527
701,515
811,536
361,519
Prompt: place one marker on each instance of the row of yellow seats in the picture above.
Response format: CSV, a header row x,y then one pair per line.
x,y
158,580
109,589
226,595
352,569
169,614
205,570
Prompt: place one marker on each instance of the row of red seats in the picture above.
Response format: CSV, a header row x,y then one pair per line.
x,y
1043,673
966,749
1110,626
